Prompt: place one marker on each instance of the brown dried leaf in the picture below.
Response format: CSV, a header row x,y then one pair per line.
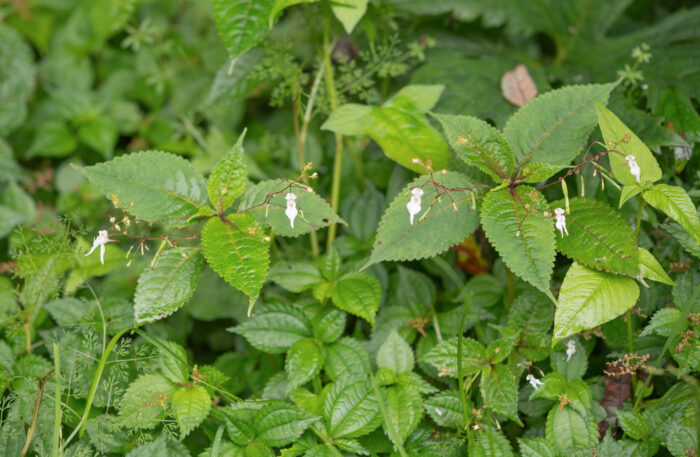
x,y
517,86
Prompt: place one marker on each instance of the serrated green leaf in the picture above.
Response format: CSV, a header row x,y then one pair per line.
x,y
162,446
167,286
397,239
275,328
649,268
229,177
536,447
172,361
628,192
664,322
395,354
404,410
266,201
478,144
304,361
534,172
9,219
526,244
257,448
52,139
444,357
349,12
141,406
191,406
351,409
445,409
238,250
683,238
554,126
567,427
281,5
614,131
633,424
346,358
349,119
242,24
589,298
599,237
571,367
278,424
68,311
295,276
100,134
151,185
488,442
329,324
675,202
239,423
500,391
358,294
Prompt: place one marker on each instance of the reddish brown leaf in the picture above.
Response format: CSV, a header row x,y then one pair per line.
x,y
517,86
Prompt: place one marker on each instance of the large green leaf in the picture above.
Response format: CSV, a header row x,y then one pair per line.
x,y
397,239
568,428
553,127
279,423
404,410
167,286
599,237
525,241
191,406
351,408
266,201
242,24
275,327
151,185
676,203
228,178
615,131
304,361
444,357
349,12
500,391
589,298
358,294
479,144
238,250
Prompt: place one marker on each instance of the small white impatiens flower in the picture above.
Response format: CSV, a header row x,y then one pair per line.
x,y
291,210
413,206
560,223
570,349
634,166
101,240
534,382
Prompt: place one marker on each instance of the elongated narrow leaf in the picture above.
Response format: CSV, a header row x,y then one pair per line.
x,y
167,286
351,409
191,406
599,237
525,241
676,203
615,132
238,250
358,294
304,361
275,328
500,391
151,185
553,127
479,144
242,24
266,201
649,268
568,428
589,298
228,179
488,442
398,239
444,357
404,410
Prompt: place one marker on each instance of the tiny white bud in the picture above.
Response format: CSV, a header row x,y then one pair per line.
x,y
291,210
560,223
570,349
414,204
534,382
634,167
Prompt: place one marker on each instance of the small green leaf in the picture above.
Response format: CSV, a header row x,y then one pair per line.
x,y
53,139
349,12
242,24
238,250
488,442
633,424
239,422
536,447
191,406
141,406
676,203
281,5
278,424
589,298
628,192
295,276
395,354
567,427
329,324
683,238
228,178
416,97
346,358
257,448
9,219
534,172
172,361
167,286
500,391
445,409
614,131
275,328
350,119
151,185
358,294
404,410
162,446
351,409
444,357
664,322
100,134
304,361
650,269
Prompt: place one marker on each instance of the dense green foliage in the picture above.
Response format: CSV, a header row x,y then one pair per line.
x,y
320,228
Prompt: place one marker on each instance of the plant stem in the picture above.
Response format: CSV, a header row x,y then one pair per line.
x,y
217,441
460,337
35,414
56,443
391,431
338,159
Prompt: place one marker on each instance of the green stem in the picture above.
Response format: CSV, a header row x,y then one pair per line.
x,y
327,441
391,431
460,337
217,441
56,443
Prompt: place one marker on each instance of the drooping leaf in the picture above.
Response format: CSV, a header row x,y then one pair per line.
x,y
599,237
626,143
444,357
191,406
278,423
242,24
151,185
358,294
500,391
589,298
351,408
650,269
395,354
304,361
238,250
349,12
275,328
397,239
404,411
553,127
167,286
281,5
266,202
676,203
228,178
479,144
525,241
627,193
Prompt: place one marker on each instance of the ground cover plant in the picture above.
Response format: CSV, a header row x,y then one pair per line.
x,y
355,227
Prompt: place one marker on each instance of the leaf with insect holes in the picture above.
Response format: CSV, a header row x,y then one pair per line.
x,y
238,250
266,202
599,237
397,239
229,177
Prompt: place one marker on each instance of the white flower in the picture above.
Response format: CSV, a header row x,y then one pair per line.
x,y
560,219
634,167
534,382
570,349
413,206
291,210
101,240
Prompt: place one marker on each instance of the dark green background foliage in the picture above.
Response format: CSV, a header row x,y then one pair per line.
x,y
215,327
